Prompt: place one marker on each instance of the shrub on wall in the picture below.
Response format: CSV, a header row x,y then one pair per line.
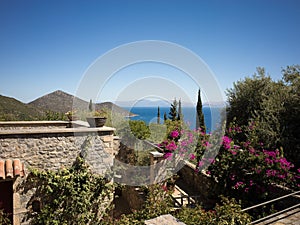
x,y
71,195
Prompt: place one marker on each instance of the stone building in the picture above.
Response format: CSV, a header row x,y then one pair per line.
x,y
46,145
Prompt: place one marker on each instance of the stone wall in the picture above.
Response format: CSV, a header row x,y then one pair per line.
x,y
200,182
24,125
51,148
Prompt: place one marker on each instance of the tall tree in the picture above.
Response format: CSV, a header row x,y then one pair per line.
x,y
291,118
200,116
180,115
91,105
273,105
173,111
246,96
165,117
158,115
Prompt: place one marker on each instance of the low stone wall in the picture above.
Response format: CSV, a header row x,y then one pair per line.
x,y
25,125
201,183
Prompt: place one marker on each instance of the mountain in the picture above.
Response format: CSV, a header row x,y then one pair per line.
x,y
58,101
62,102
12,109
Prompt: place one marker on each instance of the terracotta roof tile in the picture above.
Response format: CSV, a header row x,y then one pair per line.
x,y
11,168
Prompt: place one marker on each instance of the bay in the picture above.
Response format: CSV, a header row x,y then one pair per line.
x,y
212,115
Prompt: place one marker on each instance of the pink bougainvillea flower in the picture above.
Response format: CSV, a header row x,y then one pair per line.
x,y
201,163
251,182
168,156
226,142
233,152
171,146
192,156
271,173
174,134
238,184
252,150
232,176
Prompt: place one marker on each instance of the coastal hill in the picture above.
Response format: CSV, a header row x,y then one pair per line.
x,y
12,109
60,101
57,102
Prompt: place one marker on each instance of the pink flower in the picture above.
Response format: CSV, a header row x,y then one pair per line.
x,y
269,161
281,176
252,150
270,153
233,152
183,143
226,142
206,144
238,184
232,177
171,146
192,156
201,163
285,164
168,155
271,173
174,134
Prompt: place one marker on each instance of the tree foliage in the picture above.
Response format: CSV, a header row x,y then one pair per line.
x,y
200,116
173,111
246,96
273,105
158,115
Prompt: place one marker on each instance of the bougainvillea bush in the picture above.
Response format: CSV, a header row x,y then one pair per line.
x,y
243,167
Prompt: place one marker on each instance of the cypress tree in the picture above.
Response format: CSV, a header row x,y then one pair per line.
x,y
200,117
91,105
180,115
158,115
173,111
165,117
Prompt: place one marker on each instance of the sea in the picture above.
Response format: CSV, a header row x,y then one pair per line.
x,y
212,115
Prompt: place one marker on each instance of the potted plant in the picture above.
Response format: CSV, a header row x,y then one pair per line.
x,y
71,115
97,118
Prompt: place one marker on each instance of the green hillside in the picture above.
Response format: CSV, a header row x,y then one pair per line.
x,y
12,109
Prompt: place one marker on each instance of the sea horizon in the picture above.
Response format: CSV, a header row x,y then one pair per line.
x,y
148,114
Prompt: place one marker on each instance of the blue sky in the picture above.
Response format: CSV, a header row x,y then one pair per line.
x,y
48,45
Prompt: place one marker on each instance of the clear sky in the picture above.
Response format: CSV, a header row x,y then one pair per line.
x,y
48,45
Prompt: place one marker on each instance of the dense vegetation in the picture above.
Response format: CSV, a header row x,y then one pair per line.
x,y
273,105
71,195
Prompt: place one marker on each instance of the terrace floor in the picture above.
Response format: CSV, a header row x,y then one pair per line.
x,y
291,217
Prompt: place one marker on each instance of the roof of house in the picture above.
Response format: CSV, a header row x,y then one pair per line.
x,y
11,168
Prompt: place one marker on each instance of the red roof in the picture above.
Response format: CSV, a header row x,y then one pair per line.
x,y
11,168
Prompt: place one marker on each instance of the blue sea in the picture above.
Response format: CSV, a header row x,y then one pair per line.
x,y
212,115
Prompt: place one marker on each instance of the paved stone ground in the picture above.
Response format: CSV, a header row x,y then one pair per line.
x,y
291,217
164,220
